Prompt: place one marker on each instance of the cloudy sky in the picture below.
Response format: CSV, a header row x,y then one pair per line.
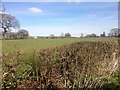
x,y
45,18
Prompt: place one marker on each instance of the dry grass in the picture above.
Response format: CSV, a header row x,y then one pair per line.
x,y
78,65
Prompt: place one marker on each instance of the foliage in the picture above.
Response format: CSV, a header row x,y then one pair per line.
x,y
115,32
67,35
103,35
78,65
91,35
23,34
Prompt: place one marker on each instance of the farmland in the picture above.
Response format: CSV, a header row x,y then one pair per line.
x,y
59,63
29,45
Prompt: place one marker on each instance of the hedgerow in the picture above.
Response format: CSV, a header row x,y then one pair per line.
x,y
78,65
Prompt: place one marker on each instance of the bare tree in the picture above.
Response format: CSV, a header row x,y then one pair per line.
x,y
8,21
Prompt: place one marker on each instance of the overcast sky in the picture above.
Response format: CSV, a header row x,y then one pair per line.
x,y
45,18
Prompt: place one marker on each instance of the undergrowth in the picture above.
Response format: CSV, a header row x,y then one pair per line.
x,y
78,65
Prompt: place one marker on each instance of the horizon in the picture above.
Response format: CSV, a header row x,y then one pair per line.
x,y
45,18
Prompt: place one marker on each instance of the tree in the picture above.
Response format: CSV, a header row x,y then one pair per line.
x,y
62,35
52,35
82,35
8,21
115,32
103,35
91,35
109,35
67,35
23,34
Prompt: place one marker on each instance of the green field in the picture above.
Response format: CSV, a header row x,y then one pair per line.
x,y
29,45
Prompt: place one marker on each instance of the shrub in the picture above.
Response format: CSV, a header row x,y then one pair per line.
x,y
79,65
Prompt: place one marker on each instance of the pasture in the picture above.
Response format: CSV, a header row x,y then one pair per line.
x,y
29,45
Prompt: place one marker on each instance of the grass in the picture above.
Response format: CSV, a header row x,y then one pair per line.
x,y
29,45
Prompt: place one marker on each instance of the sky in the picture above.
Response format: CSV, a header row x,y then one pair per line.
x,y
61,0
45,18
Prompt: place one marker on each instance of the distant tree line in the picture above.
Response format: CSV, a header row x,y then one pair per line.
x,y
9,22
52,36
115,32
21,34
62,35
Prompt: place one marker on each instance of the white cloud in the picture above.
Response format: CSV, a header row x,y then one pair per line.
x,y
35,10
